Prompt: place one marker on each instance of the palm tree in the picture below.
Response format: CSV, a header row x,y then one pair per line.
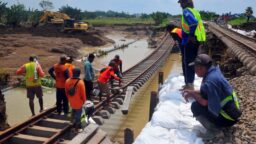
x,y
248,13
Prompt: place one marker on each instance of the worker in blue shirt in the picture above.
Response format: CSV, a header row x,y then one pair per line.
x,y
193,34
89,75
216,105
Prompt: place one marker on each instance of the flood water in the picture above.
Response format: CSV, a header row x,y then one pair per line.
x,y
130,56
18,105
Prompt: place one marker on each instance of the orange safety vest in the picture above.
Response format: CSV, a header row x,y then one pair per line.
x,y
178,31
70,69
105,75
78,99
59,71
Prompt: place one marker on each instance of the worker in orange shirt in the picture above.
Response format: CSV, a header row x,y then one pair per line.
x,y
117,69
33,73
60,73
104,78
69,65
75,91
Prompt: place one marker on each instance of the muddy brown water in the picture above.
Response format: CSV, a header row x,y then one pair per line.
x,y
17,102
138,114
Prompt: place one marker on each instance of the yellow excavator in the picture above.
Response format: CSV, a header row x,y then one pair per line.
x,y
57,18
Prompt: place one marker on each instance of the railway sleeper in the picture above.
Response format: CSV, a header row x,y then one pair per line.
x,y
111,110
105,114
53,123
59,117
99,136
27,139
41,131
99,120
119,100
115,105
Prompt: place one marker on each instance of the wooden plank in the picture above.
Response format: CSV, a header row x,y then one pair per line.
x,y
98,137
106,141
28,139
85,135
41,131
127,100
54,123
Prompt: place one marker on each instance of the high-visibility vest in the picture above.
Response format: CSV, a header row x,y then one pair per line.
x,y
30,75
200,31
178,31
225,101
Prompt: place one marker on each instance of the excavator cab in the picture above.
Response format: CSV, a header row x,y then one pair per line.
x,y
68,24
71,25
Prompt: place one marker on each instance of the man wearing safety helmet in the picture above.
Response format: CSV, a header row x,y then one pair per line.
x,y
193,35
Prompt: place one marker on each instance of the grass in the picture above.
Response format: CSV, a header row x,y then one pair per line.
x,y
239,21
118,21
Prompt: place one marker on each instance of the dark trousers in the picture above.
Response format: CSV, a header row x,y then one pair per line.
x,y
183,61
220,121
62,101
188,56
88,89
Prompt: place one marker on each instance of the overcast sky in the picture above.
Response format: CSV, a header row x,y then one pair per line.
x,y
145,6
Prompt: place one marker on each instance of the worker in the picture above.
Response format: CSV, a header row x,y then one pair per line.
x,y
216,105
193,37
33,74
103,79
60,73
75,91
69,65
176,34
117,69
89,75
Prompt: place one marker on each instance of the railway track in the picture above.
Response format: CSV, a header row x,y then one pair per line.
x,y
242,47
48,127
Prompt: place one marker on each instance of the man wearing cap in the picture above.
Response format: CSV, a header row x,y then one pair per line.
x,y
60,73
103,79
176,34
69,65
89,75
117,69
216,105
33,73
193,35
78,98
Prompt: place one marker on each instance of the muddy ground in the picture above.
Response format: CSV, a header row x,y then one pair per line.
x,y
48,43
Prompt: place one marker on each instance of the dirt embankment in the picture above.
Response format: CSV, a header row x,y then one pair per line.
x,y
48,38
247,26
47,42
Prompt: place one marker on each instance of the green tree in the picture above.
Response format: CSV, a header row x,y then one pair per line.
x,y
3,10
46,5
72,12
16,14
248,13
159,17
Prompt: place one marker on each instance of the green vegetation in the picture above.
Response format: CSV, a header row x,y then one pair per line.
x,y
18,14
46,5
159,17
72,12
248,13
118,21
239,21
206,15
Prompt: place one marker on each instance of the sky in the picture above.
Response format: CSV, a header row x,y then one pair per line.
x,y
145,6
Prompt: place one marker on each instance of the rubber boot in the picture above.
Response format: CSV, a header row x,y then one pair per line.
x,y
212,130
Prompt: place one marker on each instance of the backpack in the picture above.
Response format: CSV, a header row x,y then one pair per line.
x,y
72,89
